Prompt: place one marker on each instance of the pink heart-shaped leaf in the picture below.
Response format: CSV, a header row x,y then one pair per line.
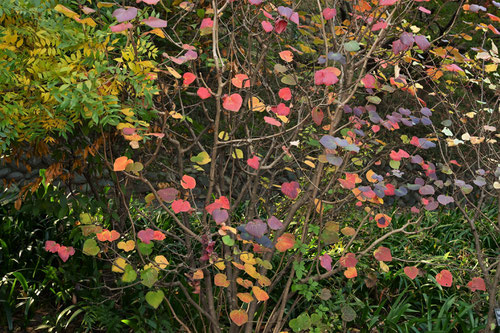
x,y
444,278
65,252
253,162
233,102
188,78
329,13
290,189
411,272
179,206
146,235
268,27
51,246
203,93
285,94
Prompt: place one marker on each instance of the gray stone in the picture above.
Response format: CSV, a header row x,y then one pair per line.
x,y
4,172
15,175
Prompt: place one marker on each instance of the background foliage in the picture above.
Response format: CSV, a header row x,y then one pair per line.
x,y
249,166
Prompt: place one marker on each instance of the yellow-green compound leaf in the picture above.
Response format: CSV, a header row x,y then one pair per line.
x,y
130,274
202,158
90,247
154,298
149,277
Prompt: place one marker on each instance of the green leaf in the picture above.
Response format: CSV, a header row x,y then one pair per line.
x,y
348,313
202,158
85,218
145,249
373,99
154,298
288,80
90,247
228,240
394,164
149,277
302,322
351,46
129,275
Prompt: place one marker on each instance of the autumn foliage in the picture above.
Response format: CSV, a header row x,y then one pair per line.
x,y
240,156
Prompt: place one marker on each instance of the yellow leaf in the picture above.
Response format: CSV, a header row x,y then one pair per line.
x,y
66,11
491,68
198,275
119,265
256,105
161,261
173,72
238,153
383,266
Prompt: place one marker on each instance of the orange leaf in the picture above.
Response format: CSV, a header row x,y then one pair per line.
x,y
250,270
264,281
244,283
245,297
351,272
239,317
260,294
285,242
188,182
220,280
198,275
126,246
238,80
121,163
286,55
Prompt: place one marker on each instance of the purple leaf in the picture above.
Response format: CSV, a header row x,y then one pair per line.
x,y
426,190
444,199
328,142
220,215
426,112
432,205
407,39
326,262
256,228
422,42
123,14
274,223
168,194
335,160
